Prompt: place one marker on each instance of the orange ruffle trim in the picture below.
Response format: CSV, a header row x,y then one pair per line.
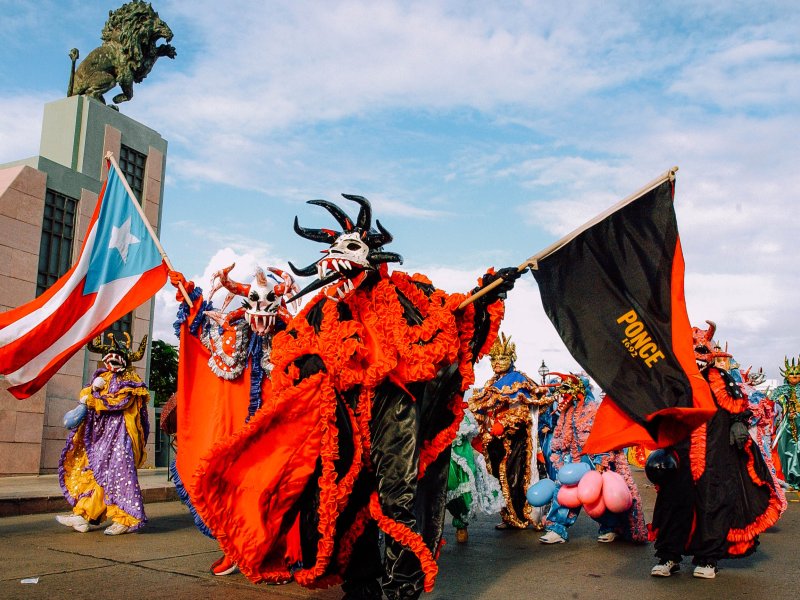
x,y
375,345
408,538
742,540
721,395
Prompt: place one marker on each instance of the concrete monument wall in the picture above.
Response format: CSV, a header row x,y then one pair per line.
x,y
76,134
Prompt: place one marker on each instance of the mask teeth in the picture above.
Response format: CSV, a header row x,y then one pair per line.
x,y
260,323
339,290
340,265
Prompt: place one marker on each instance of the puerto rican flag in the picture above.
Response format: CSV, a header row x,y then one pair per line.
x,y
119,268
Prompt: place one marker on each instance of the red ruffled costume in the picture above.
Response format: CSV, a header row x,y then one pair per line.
x,y
366,400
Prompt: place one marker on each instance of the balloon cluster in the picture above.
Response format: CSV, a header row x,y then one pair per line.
x,y
582,485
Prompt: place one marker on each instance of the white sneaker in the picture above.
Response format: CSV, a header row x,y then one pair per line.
x,y
551,537
665,568
116,529
705,571
607,537
77,522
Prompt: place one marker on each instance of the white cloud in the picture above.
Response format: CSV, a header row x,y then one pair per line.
x,y
759,72
291,64
754,314
21,125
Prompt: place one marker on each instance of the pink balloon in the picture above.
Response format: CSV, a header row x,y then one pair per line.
x,y
590,487
568,496
597,508
616,494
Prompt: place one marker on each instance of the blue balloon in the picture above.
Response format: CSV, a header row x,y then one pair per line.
x,y
541,492
74,417
571,473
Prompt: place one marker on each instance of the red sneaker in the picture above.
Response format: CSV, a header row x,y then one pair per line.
x,y
224,566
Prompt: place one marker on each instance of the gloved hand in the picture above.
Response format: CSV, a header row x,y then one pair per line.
x,y
739,434
508,275
176,278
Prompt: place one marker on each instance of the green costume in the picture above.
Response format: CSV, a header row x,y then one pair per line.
x,y
470,488
787,396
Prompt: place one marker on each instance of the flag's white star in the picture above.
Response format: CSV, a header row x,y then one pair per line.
x,y
121,239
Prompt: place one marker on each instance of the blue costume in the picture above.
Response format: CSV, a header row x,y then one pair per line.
x,y
578,407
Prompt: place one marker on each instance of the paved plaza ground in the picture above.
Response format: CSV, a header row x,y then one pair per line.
x,y
170,559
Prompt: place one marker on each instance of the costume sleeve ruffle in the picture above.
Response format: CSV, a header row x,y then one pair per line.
x,y
250,481
722,395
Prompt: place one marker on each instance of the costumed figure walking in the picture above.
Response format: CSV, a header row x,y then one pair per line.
x,y
786,395
507,410
470,487
715,492
367,392
224,368
548,419
762,420
97,470
577,407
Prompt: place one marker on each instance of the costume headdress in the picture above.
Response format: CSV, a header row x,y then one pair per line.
x,y
353,251
705,350
265,297
503,347
571,386
117,355
754,378
790,369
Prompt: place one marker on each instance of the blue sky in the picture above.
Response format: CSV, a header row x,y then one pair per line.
x,y
481,132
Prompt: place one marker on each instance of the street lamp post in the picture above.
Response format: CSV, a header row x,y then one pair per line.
x,y
543,371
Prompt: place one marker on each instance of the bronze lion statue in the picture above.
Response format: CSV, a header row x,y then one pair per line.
x,y
129,51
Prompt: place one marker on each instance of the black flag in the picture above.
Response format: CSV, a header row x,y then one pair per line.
x,y
614,292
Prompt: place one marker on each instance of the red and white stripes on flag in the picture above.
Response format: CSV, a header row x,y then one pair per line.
x,y
119,268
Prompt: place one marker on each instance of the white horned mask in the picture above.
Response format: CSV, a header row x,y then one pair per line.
x,y
352,253
265,298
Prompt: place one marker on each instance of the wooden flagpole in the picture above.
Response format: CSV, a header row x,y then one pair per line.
x,y
533,261
110,157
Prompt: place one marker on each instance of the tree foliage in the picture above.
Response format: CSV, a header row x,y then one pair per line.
x,y
163,370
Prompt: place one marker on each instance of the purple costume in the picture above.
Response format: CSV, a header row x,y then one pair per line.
x,y
98,466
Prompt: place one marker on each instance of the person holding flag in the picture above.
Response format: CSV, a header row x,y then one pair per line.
x,y
120,266
224,369
367,396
